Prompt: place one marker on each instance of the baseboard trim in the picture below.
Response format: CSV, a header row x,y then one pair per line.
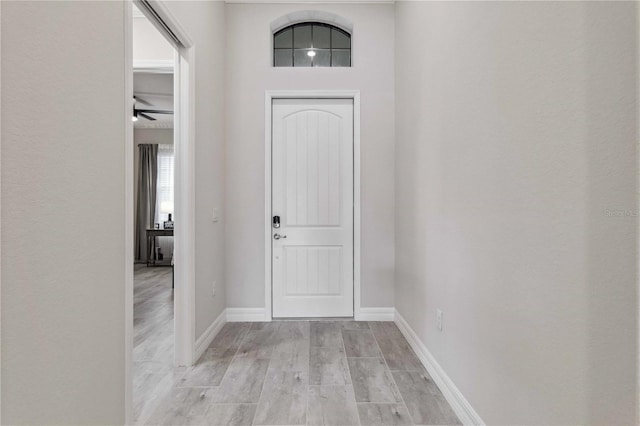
x,y
375,314
260,314
203,342
454,397
246,315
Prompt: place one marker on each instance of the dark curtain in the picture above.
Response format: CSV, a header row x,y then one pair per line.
x,y
146,203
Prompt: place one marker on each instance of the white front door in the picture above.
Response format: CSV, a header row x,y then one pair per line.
x,y
312,195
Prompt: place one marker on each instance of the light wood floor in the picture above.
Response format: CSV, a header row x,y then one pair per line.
x,y
283,373
153,371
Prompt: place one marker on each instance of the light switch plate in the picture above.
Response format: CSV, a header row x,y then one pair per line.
x,y
216,214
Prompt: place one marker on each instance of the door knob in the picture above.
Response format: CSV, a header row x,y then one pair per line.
x,y
278,236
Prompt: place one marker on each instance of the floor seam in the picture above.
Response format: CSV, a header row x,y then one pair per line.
x,y
353,389
229,366
392,378
263,383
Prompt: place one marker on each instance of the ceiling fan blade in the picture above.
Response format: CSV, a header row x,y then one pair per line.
x,y
148,117
142,101
154,111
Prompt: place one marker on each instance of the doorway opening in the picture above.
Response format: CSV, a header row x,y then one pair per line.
x,y
154,196
160,204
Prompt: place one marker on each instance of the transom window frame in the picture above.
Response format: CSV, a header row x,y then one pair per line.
x,y
330,49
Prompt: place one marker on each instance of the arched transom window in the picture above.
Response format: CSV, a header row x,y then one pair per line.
x,y
311,44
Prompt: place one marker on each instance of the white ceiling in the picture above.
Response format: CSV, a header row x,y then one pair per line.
x,y
153,73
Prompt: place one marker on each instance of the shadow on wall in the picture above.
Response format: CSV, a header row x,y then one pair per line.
x,y
611,241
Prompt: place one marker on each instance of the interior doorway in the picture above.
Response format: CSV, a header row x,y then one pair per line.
x,y
154,195
160,203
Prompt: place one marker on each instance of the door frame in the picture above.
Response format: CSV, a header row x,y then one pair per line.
x,y
269,96
184,142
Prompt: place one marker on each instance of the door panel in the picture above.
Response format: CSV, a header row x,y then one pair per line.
x,y
312,163
312,270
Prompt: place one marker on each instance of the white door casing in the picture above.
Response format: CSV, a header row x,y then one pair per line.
x,y
313,194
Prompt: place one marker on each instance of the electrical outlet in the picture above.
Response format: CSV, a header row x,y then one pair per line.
x,y
439,319
213,289
216,214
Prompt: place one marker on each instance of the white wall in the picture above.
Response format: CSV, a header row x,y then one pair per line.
x,y
153,136
249,74
63,257
204,22
515,132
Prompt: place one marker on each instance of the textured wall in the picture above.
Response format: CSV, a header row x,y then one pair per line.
x,y
63,256
515,135
249,74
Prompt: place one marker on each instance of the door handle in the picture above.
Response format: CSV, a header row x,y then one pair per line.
x,y
278,236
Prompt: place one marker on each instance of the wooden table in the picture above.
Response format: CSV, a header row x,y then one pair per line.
x,y
151,246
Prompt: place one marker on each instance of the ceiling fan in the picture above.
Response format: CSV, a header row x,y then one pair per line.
x,y
144,113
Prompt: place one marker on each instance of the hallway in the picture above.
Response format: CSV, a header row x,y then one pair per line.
x,y
465,171
302,372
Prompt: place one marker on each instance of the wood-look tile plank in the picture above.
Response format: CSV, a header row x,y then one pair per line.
x,y
423,399
398,354
290,355
231,336
151,383
328,366
230,415
243,381
327,334
157,347
284,399
291,350
360,343
383,415
272,326
257,344
372,381
294,330
182,406
386,329
209,370
354,325
332,405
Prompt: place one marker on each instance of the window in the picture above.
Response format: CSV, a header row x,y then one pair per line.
x,y
311,44
164,186
164,198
